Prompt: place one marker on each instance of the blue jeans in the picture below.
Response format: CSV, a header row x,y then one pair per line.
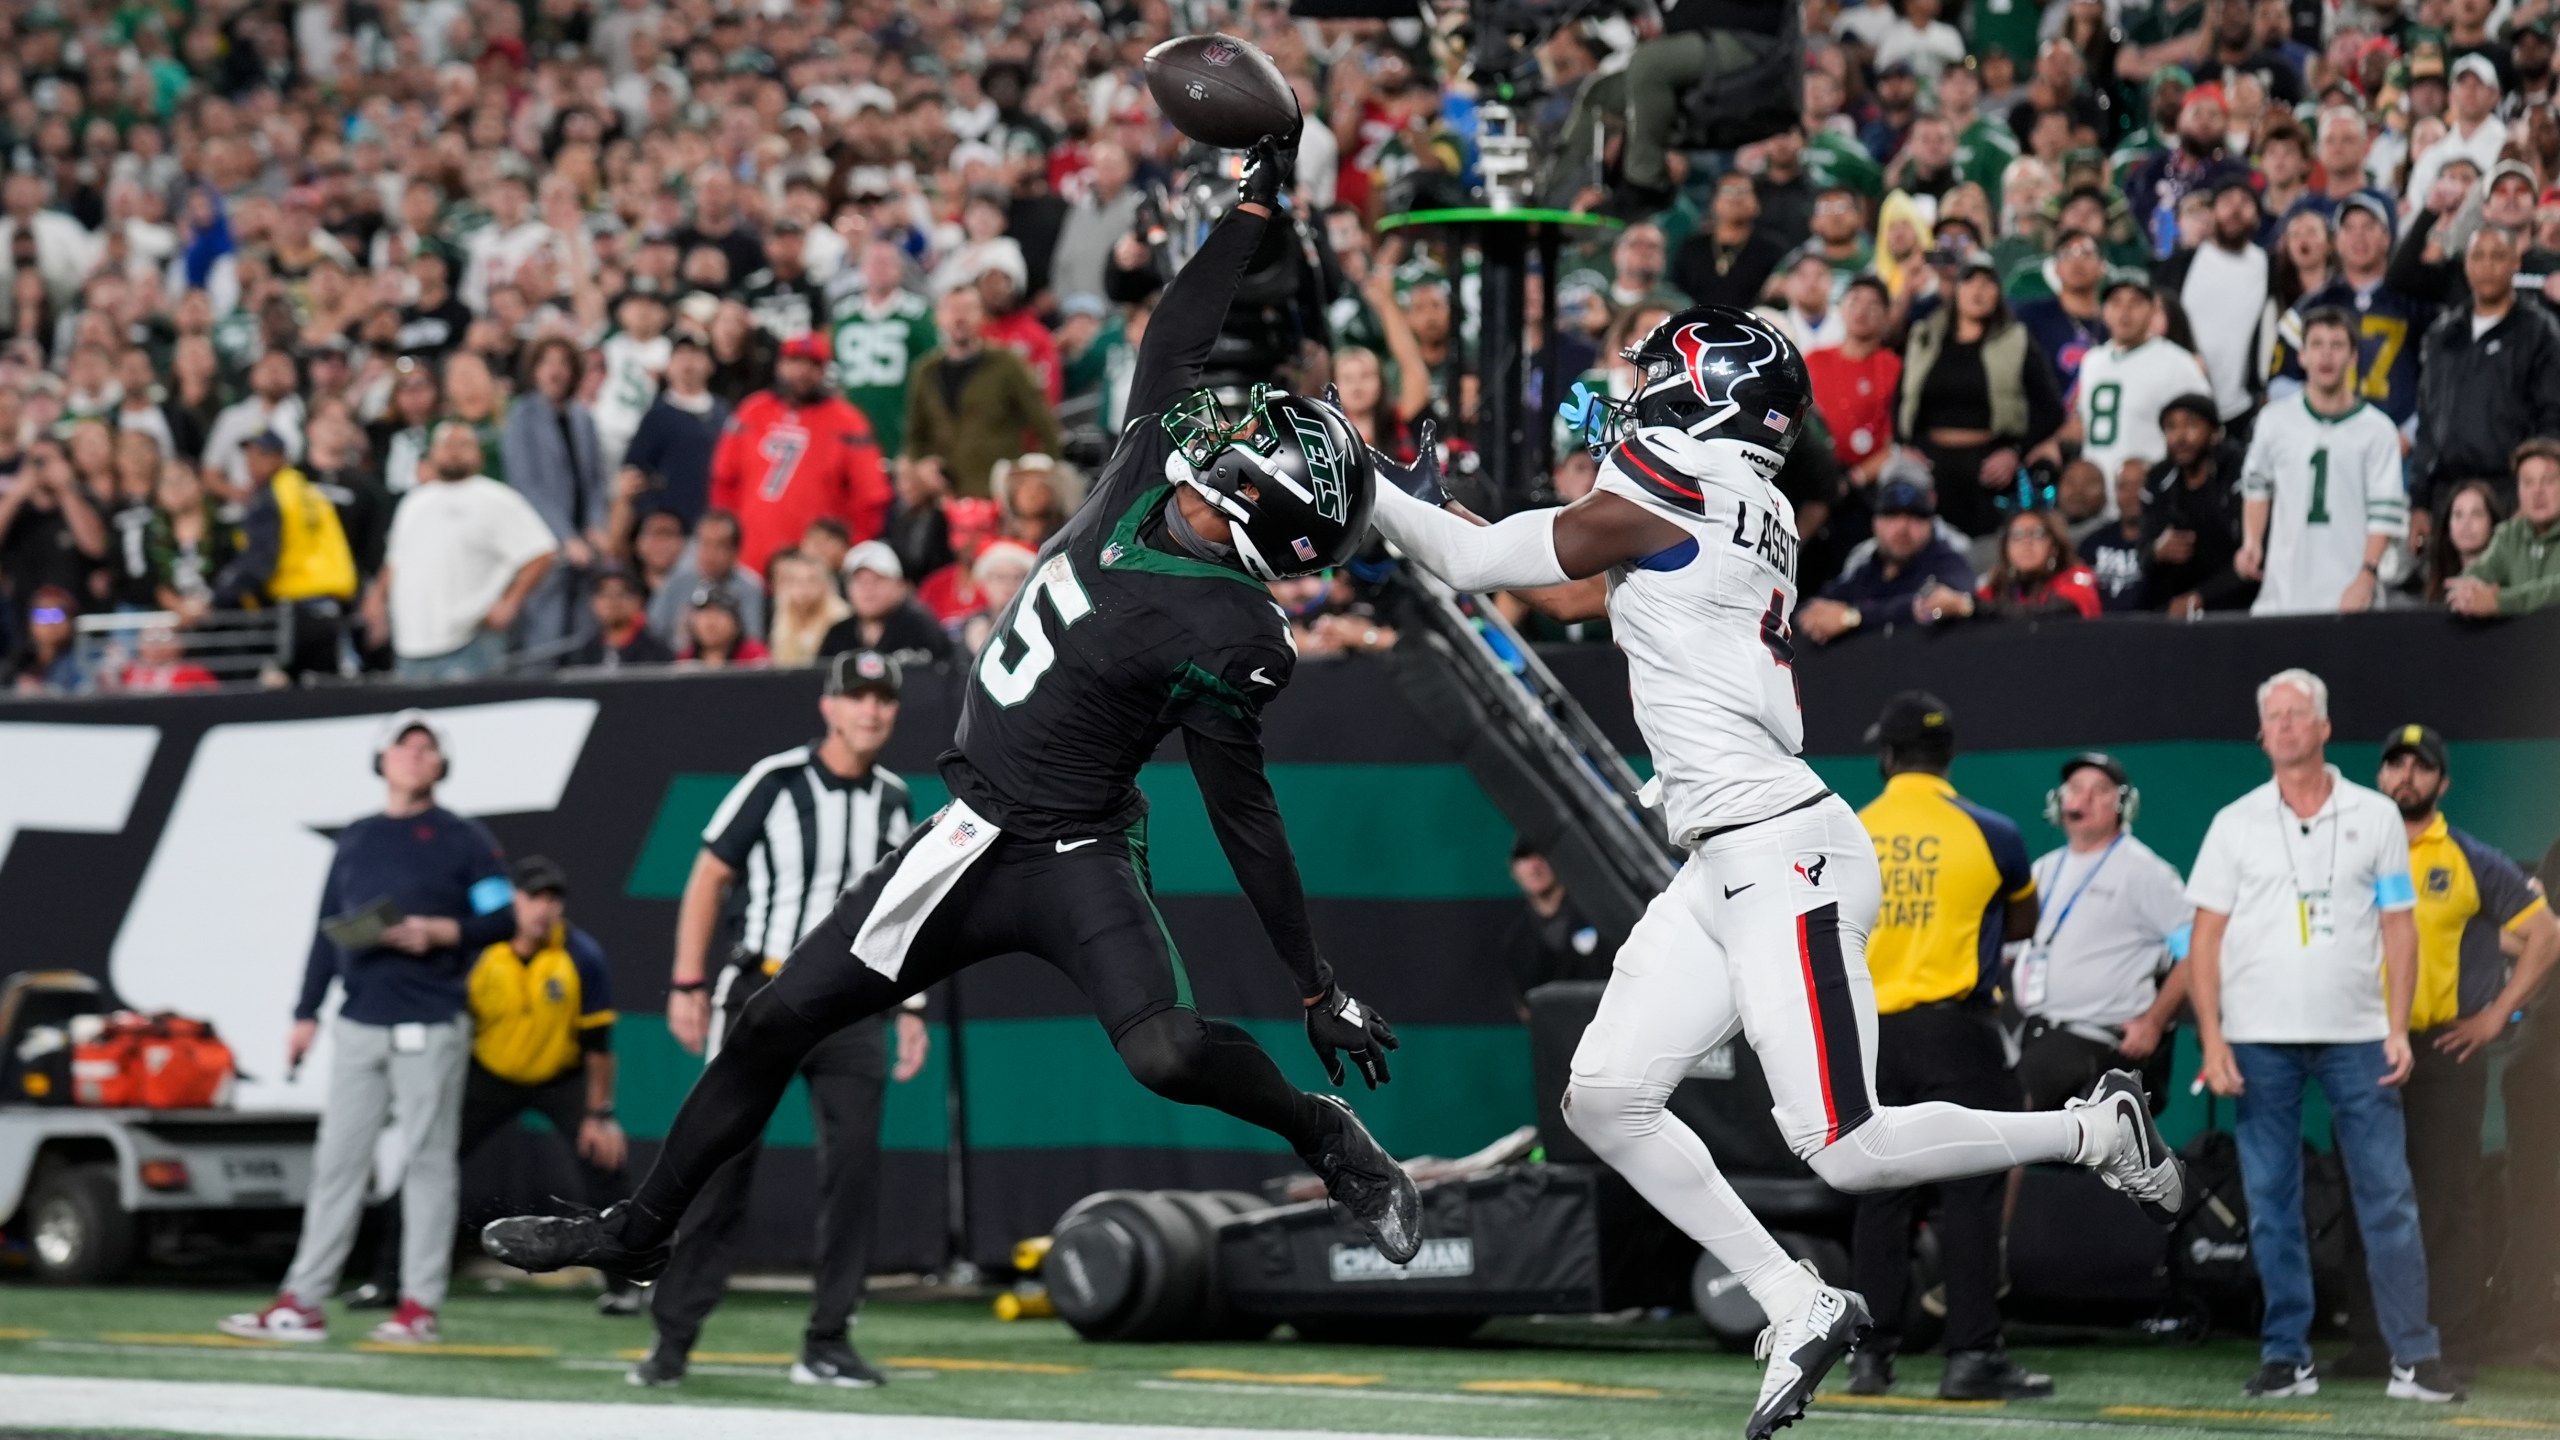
x,y
2374,1144
481,656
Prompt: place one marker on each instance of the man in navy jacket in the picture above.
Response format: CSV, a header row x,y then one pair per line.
x,y
402,1039
1880,589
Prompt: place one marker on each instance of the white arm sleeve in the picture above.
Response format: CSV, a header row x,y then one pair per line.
x,y
1514,554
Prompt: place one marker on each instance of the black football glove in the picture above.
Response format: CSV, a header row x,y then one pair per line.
x,y
1339,1023
1268,168
1421,479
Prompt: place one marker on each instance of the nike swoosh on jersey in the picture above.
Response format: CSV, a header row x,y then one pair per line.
x,y
1259,678
1066,845
1738,889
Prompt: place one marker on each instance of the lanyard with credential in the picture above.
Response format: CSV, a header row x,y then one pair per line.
x,y
2046,939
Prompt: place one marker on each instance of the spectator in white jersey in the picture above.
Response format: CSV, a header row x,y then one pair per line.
x,y
2322,506
796,831
2124,384
2102,980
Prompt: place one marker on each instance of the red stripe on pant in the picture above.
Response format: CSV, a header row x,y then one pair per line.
x,y
1821,1042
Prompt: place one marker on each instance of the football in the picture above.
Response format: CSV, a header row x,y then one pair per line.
x,y
1221,91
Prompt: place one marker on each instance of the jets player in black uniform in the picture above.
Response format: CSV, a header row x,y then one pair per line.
x,y
1146,614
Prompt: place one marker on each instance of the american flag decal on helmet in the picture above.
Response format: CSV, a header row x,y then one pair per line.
x,y
1306,549
1775,421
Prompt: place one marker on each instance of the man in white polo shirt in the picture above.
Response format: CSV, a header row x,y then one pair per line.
x,y
2304,965
2099,983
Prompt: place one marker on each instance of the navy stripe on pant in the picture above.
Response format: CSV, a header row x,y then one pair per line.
x,y
1835,1019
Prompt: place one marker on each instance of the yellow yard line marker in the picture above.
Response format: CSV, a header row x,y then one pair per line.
x,y
7,1333
1264,1377
2173,1412
464,1352
723,1357
1561,1387
194,1342
1907,1402
992,1367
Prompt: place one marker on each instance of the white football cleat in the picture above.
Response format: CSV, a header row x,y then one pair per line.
x,y
2137,1160
1801,1349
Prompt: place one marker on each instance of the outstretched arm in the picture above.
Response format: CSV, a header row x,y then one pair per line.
x,y
1528,551
1193,309
1246,818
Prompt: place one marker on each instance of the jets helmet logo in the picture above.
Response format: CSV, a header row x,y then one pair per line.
x,y
1323,467
1714,367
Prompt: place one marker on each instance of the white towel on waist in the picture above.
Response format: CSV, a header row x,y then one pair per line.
x,y
952,842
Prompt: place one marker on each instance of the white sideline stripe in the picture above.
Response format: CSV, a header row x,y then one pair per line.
x,y
296,1412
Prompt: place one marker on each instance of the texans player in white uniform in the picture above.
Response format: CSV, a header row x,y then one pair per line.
x,y
1763,931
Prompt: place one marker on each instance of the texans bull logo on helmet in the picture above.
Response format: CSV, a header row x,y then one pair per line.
x,y
1711,372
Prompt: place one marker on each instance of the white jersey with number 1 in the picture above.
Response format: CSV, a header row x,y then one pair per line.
x,y
1704,626
2330,481
2119,396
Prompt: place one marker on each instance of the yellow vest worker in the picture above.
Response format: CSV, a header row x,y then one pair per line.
x,y
536,1016
1954,882
1951,870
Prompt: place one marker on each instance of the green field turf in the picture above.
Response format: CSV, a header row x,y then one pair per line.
x,y
950,1357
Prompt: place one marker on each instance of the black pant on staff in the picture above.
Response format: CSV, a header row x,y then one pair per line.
x,y
1947,1052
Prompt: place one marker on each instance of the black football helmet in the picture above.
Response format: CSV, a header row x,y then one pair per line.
x,y
1712,372
1291,475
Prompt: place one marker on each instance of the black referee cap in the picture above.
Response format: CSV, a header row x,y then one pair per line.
x,y
857,672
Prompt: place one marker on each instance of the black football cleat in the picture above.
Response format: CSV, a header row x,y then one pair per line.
x,y
540,1243
1364,1179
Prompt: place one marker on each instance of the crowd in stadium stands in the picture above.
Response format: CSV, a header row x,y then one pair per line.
x,y
321,310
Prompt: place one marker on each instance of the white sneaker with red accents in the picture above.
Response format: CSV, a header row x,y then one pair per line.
x,y
411,1324
285,1319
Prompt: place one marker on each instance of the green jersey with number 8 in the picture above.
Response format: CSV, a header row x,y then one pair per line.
x,y
876,348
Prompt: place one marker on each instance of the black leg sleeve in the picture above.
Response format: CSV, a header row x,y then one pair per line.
x,y
1182,1057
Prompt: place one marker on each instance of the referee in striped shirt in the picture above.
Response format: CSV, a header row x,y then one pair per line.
x,y
795,833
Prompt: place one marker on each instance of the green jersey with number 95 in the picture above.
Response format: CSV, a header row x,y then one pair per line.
x,y
875,349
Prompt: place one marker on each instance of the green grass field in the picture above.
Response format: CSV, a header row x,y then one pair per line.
x,y
951,1358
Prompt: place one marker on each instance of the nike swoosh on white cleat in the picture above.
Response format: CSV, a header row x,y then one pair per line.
x,y
1066,845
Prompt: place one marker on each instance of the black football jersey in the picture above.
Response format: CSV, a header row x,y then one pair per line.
x,y
1119,638
1114,642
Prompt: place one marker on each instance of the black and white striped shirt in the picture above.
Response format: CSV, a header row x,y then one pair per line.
x,y
798,835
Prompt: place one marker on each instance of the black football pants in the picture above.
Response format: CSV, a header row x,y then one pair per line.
x,y
1950,1053
1084,906
847,1074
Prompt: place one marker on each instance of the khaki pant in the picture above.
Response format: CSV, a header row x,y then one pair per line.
x,y
373,1080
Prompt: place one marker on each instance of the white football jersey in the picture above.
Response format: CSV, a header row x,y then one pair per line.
x,y
632,369
1710,657
2330,481
2119,397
